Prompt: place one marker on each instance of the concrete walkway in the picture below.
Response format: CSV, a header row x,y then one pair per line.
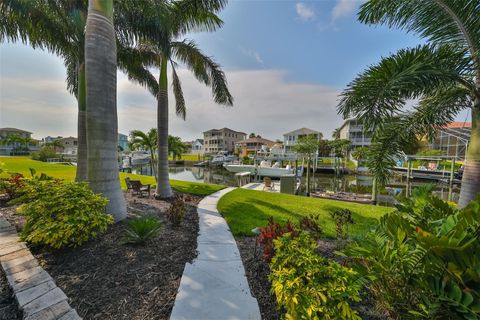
x,y
35,291
214,285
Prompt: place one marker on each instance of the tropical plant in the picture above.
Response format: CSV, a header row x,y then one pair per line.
x,y
269,233
44,153
176,211
308,147
12,186
360,153
309,286
442,75
342,218
55,144
183,16
176,147
61,214
145,141
140,230
423,260
311,224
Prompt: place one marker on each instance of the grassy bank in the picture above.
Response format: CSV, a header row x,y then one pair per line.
x,y
67,172
247,209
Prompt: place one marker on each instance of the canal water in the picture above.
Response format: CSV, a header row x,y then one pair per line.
x,y
361,184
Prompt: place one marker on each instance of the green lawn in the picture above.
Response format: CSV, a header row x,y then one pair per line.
x,y
189,157
246,209
23,164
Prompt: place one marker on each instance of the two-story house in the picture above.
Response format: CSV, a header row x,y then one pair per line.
x,y
221,140
291,138
197,146
252,145
123,141
353,130
69,145
10,147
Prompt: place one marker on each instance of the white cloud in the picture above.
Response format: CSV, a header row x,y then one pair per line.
x,y
304,12
265,103
252,54
343,8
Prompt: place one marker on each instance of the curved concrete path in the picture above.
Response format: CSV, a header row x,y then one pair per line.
x,y
214,285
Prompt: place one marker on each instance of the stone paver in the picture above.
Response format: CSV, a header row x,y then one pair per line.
x,y
35,291
214,285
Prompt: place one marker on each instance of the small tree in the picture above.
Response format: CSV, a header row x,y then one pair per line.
x,y
307,146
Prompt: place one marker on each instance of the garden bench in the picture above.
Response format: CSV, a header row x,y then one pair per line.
x,y
139,189
128,183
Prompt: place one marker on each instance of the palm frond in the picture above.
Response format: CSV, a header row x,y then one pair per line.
x,y
383,89
440,21
204,68
180,108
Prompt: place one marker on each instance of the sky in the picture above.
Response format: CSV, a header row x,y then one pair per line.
x,y
286,63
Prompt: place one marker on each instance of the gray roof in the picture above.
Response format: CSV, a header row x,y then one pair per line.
x,y
302,131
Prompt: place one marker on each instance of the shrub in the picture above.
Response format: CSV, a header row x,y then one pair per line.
x,y
312,226
342,218
423,260
309,286
270,232
140,230
43,154
176,211
62,214
12,185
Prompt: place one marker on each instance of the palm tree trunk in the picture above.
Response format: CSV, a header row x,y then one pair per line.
x,y
152,164
101,102
471,176
82,129
163,190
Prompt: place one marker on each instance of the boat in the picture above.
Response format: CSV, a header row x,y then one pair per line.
x,y
136,158
221,158
265,169
344,196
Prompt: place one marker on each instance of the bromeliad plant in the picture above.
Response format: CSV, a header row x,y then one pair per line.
x,y
423,260
309,286
142,229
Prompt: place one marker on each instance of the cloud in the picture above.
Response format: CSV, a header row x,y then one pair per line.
x,y
343,8
265,103
305,13
252,54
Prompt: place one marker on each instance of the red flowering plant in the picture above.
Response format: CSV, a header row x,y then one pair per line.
x,y
270,232
12,185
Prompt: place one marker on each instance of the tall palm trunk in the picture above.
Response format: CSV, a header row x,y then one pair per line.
x,y
82,128
101,91
163,190
471,176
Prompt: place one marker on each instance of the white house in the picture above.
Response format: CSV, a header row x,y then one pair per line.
x,y
353,130
290,138
197,146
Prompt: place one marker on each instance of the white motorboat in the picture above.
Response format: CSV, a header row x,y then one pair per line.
x,y
136,158
222,157
265,169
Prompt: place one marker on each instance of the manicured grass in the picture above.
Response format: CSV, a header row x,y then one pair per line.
x,y
246,209
67,172
189,157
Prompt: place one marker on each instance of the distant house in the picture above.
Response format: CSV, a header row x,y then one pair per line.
x,y
7,149
291,138
197,146
252,145
49,139
69,145
217,140
353,130
453,139
123,141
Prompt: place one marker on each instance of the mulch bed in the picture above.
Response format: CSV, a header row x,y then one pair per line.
x,y
105,279
8,305
257,271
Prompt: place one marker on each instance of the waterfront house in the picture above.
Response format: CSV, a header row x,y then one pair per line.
x,y
290,138
69,146
197,147
453,139
221,140
252,145
353,130
7,149
123,142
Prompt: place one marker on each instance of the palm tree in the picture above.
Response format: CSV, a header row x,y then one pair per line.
x,y
184,16
55,144
146,141
101,106
307,146
62,26
443,75
176,147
